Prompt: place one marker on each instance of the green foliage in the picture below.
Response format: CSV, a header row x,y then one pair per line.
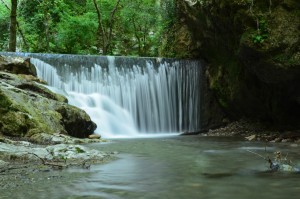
x,y
262,32
138,28
5,103
79,150
63,158
4,25
169,14
38,20
76,34
64,26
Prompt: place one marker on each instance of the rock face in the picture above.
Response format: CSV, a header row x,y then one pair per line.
x,y
27,108
253,52
17,66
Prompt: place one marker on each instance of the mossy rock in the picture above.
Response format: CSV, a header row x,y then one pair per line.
x,y
14,123
28,108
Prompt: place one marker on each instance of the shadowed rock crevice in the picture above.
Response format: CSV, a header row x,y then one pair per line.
x,y
76,123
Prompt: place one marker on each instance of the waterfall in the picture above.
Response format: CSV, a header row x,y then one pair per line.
x,y
128,96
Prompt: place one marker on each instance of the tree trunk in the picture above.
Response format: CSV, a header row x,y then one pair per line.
x,y
100,30
19,29
47,31
13,26
104,34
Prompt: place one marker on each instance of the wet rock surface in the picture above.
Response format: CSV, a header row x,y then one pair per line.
x,y
254,131
23,163
26,151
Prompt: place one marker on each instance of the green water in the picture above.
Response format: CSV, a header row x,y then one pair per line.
x,y
181,167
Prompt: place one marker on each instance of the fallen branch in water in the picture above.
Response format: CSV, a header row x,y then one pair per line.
x,y
257,154
279,164
272,166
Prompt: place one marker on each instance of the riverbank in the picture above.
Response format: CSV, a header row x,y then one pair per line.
x,y
254,131
23,162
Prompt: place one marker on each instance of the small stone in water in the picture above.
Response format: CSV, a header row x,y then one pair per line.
x,y
251,137
94,136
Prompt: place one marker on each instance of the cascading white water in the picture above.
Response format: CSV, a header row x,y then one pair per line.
x,y
126,97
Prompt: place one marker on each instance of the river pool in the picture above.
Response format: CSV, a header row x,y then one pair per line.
x,y
178,167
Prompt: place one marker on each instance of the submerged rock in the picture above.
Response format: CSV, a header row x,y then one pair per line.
x,y
28,109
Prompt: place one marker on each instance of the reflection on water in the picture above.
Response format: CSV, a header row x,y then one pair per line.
x,y
189,167
182,167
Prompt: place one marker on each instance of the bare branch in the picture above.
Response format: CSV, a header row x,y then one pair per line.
x,y
112,16
100,24
257,154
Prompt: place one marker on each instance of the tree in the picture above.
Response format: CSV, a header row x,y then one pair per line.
x,y
17,25
76,34
105,26
39,20
13,26
140,23
114,27
4,27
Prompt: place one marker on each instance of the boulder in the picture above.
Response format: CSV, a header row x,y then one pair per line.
x,y
17,65
28,108
94,136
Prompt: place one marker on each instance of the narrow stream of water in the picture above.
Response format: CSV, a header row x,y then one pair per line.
x,y
178,167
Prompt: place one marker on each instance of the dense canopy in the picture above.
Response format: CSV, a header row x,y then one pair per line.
x,y
107,27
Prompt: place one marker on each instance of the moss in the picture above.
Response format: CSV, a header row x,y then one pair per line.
x,y
225,75
15,124
30,110
79,150
31,86
5,103
182,38
286,59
